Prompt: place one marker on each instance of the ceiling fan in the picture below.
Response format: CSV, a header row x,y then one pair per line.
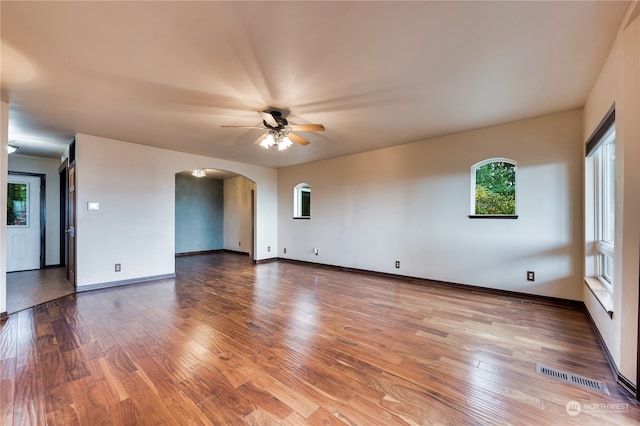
x,y
279,132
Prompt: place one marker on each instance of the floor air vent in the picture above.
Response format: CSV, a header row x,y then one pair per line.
x,y
573,379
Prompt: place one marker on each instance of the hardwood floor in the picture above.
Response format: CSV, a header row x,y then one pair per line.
x,y
230,342
30,288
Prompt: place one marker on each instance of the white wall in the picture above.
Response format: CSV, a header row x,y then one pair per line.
x,y
411,203
134,185
237,214
619,83
49,167
4,141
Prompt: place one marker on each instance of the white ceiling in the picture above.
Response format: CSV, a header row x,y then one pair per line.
x,y
376,74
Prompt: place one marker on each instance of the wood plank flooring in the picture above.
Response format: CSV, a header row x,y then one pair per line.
x,y
230,342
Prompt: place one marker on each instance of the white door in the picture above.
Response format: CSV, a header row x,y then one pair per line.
x,y
23,223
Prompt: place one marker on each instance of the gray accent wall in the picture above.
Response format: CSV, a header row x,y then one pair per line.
x,y
199,214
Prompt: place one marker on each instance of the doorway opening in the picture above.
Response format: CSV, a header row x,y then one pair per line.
x,y
26,248
30,279
214,212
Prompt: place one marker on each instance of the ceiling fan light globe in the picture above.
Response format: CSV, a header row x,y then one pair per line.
x,y
267,141
284,144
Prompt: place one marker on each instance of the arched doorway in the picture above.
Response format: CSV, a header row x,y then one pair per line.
x,y
214,211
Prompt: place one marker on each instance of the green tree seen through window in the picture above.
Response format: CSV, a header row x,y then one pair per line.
x,y
17,204
496,188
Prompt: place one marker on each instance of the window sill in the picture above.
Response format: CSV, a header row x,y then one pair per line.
x,y
493,216
601,293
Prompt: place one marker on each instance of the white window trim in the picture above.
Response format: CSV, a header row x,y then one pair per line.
x,y
472,192
297,200
602,247
602,294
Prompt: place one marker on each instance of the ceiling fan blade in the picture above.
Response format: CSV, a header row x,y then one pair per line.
x,y
298,139
268,118
307,127
244,127
257,142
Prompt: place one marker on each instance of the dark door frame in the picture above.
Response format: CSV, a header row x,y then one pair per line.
x,y
64,211
43,212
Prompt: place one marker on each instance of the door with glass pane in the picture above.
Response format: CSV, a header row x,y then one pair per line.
x,y
23,223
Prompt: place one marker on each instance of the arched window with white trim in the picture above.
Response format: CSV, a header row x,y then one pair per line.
x,y
302,201
493,188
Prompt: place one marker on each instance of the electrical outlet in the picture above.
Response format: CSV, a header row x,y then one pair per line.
x,y
531,276
398,264
315,251
239,243
268,248
285,250
118,268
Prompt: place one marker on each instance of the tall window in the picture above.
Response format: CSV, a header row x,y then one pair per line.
x,y
602,154
302,201
493,184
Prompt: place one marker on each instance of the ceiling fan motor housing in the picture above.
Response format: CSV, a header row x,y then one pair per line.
x,y
277,116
